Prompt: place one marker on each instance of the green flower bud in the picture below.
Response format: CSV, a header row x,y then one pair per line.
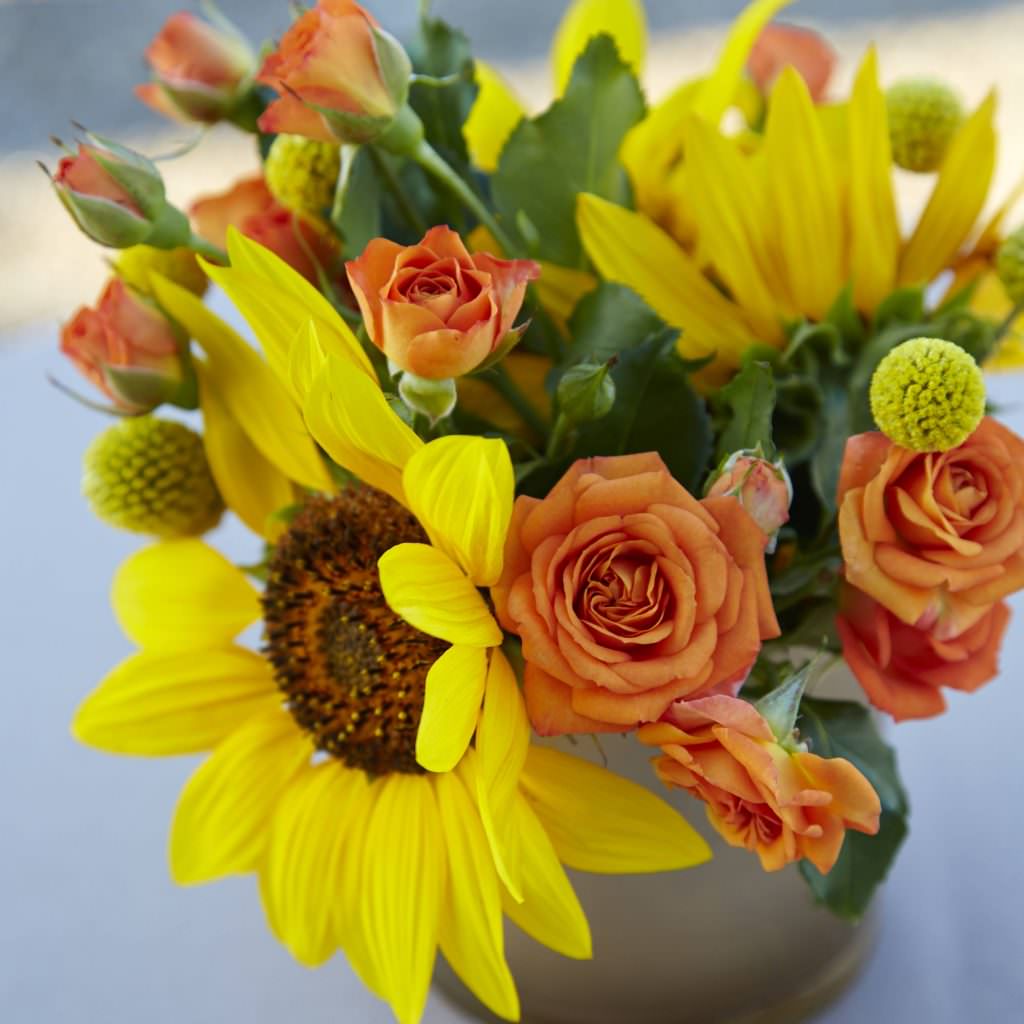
x,y
586,392
924,116
1010,266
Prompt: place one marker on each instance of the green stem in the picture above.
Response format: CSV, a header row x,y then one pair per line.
x,y
1005,326
498,378
409,212
557,442
434,164
204,249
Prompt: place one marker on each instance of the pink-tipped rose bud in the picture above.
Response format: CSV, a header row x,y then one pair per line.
x,y
339,75
117,197
129,350
200,71
779,46
435,310
761,486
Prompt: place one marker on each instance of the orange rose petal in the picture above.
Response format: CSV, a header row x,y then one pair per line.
x,y
862,459
659,734
730,712
516,562
1010,581
721,769
549,705
539,646
630,710
853,797
553,517
917,528
290,115
823,850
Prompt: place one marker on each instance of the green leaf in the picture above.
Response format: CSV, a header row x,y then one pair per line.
x,y
903,306
846,729
748,401
844,317
833,430
571,148
656,409
609,320
356,214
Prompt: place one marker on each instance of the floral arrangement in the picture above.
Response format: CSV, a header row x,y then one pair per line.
x,y
606,420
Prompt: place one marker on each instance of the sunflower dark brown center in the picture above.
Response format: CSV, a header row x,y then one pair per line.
x,y
353,671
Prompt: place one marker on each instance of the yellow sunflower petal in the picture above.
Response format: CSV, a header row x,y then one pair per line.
x,y
252,486
179,595
549,911
803,196
623,20
308,840
628,248
222,821
471,935
429,591
559,289
257,399
349,416
719,88
992,233
461,489
599,821
502,738
874,225
306,359
495,114
956,200
403,880
455,688
175,703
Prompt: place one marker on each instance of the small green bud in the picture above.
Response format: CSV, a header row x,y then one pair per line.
x,y
1010,266
924,115
435,399
586,392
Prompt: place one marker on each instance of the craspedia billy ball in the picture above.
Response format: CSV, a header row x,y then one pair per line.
x,y
1010,265
151,476
302,173
924,115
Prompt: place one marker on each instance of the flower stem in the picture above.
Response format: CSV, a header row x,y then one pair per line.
x,y
387,173
497,377
434,164
1004,327
206,250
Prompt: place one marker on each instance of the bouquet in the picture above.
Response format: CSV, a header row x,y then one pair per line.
x,y
620,418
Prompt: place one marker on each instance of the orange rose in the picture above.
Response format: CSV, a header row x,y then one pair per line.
x,y
199,70
782,805
934,535
628,593
340,76
903,668
435,310
249,207
780,45
127,348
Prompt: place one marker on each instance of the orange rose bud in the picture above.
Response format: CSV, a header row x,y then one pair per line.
x,y
783,805
434,309
249,207
129,350
780,45
629,593
934,536
903,668
761,486
200,71
339,75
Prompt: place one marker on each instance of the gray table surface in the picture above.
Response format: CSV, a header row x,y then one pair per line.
x,y
93,930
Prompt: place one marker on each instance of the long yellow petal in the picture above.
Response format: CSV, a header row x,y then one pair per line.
x,y
494,116
559,289
623,20
308,838
804,198
549,911
349,416
403,880
471,933
251,485
599,821
175,703
429,591
502,737
222,822
730,209
874,223
258,400
461,489
455,688
306,359
956,200
721,85
180,595
628,248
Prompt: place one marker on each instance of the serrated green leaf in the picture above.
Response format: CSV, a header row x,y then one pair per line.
x,y
748,400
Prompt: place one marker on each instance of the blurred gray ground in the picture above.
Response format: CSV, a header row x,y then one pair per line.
x,y
80,58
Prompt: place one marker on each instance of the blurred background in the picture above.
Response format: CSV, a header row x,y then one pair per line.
x,y
94,931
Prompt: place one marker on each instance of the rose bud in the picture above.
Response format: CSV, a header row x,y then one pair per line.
x,y
762,487
129,350
117,197
200,71
780,45
435,310
340,77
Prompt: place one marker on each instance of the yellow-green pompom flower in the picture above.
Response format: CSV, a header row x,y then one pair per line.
x,y
928,395
924,115
1010,266
302,173
135,264
151,476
